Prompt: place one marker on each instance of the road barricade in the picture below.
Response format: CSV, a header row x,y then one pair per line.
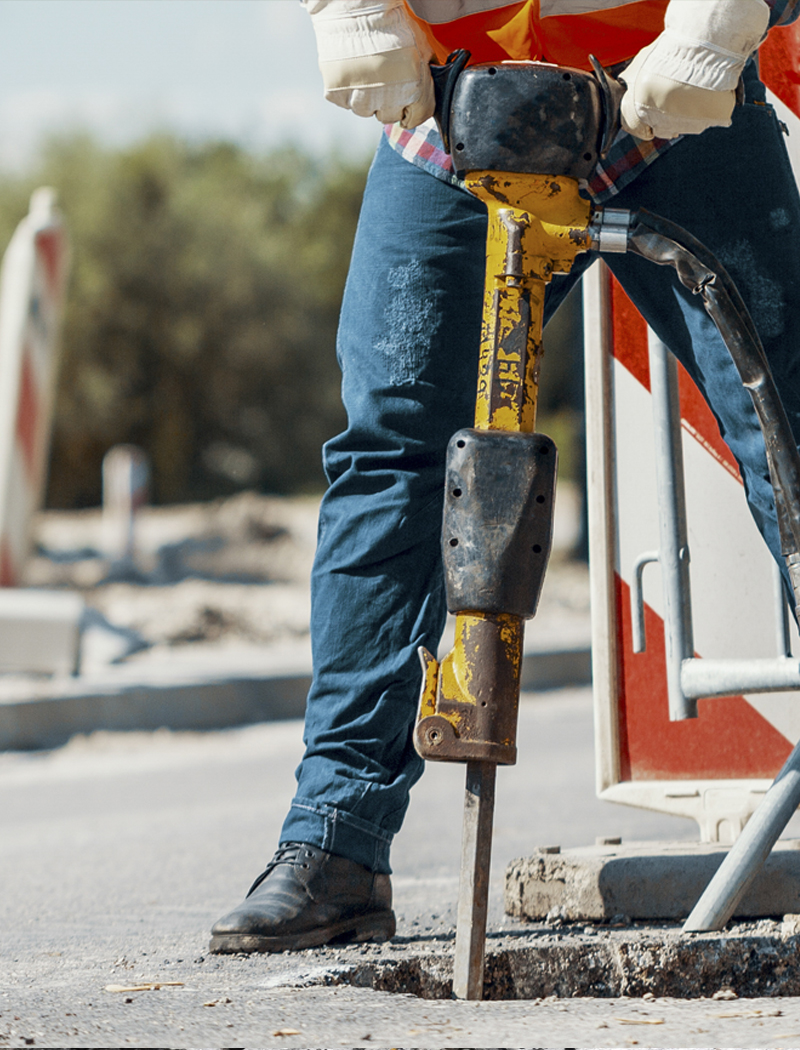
x,y
32,285
717,767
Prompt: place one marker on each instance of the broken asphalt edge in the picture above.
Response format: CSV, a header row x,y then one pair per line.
x,y
751,960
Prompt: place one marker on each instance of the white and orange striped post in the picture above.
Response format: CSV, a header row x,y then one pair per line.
x,y
715,768
32,286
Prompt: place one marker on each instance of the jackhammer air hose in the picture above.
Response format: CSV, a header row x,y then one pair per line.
x,y
668,244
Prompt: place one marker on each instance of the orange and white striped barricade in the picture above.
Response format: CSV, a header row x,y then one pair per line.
x,y
32,287
715,768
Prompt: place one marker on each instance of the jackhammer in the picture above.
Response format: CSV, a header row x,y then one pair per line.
x,y
522,135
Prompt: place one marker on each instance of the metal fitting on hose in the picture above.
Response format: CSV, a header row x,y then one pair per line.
x,y
609,229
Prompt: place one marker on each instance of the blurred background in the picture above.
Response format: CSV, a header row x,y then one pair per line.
x,y
211,196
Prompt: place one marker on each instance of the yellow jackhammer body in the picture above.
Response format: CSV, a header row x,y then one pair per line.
x,y
500,484
499,500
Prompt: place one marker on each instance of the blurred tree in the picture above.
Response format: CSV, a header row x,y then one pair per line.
x,y
201,316
201,313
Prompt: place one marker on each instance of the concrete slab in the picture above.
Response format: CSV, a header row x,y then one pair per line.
x,y
642,881
120,850
40,630
48,722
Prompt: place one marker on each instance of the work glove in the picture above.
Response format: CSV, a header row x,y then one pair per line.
x,y
374,59
685,81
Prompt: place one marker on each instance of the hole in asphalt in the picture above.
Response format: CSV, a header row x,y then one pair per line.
x,y
567,962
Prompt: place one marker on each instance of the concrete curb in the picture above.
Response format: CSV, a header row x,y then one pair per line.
x,y
47,713
44,722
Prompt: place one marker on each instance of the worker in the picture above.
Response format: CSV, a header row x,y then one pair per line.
x,y
408,346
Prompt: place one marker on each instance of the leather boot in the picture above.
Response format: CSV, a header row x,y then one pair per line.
x,y
307,897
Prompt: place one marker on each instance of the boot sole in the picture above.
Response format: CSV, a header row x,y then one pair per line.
x,y
377,926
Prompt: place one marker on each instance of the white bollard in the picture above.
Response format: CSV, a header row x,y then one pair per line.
x,y
126,483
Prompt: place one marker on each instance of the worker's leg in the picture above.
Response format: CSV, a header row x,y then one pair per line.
x,y
408,345
734,190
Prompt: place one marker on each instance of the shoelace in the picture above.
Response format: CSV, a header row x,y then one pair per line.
x,y
288,853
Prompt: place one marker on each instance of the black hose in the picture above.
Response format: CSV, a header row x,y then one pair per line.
x,y
668,244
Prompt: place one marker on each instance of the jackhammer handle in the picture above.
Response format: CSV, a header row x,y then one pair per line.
x,y
444,82
611,90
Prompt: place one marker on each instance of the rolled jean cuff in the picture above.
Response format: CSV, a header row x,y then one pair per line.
x,y
339,832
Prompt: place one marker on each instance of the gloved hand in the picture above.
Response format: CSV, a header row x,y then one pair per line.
x,y
685,81
374,59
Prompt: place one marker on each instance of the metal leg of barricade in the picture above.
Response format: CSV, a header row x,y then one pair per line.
x,y
748,854
598,342
783,637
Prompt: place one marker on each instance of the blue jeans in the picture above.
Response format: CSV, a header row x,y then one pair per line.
x,y
408,347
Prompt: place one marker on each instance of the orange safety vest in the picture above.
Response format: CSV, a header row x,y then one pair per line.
x,y
564,32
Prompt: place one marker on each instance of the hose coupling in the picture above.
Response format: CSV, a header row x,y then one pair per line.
x,y
609,229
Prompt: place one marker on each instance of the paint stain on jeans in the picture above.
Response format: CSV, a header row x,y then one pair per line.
x,y
779,219
411,320
764,296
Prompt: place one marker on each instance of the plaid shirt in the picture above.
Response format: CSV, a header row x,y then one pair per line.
x,y
626,159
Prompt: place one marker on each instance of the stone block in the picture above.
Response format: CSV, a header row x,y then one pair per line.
x,y
39,631
642,881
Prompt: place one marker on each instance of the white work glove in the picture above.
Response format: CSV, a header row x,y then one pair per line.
x,y
374,59
685,81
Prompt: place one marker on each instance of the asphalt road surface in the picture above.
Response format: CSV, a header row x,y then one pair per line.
x,y
118,852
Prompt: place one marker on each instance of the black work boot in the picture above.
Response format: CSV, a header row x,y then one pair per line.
x,y
307,897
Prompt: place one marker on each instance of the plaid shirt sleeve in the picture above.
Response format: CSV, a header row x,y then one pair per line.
x,y
627,157
782,12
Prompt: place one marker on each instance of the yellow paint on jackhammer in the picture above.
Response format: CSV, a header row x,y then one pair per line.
x,y
511,637
427,705
553,222
456,671
456,676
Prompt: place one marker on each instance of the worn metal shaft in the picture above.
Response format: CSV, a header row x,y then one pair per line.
x,y
748,853
473,894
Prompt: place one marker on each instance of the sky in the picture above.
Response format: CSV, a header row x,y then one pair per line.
x,y
237,69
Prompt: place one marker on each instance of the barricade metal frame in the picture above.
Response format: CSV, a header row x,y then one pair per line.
x,y
721,807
